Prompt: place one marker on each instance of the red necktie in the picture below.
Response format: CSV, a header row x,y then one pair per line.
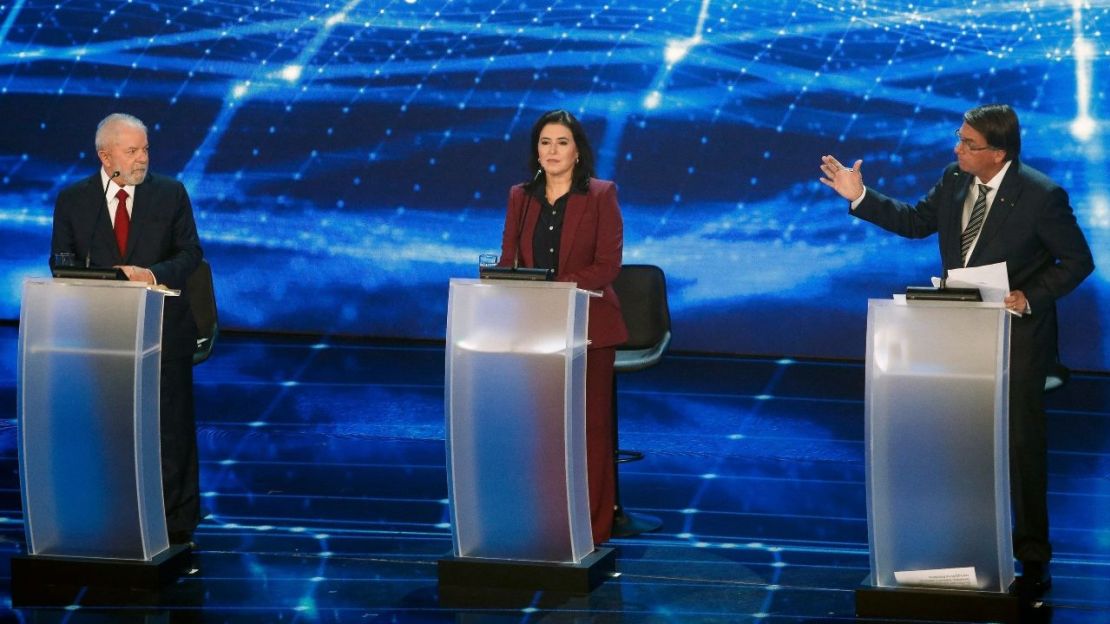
x,y
123,222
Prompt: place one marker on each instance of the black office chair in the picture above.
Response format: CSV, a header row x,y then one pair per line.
x,y
202,300
642,290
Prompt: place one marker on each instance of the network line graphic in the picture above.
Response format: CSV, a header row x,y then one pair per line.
x,y
346,159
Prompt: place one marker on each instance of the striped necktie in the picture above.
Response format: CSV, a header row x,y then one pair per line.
x,y
975,223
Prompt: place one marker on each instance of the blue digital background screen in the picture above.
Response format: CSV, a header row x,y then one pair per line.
x,y
347,159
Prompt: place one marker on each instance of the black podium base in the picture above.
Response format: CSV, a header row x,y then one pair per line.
x,y
580,578
36,576
936,604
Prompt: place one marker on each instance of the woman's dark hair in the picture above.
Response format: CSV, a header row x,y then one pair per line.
x,y
998,123
583,169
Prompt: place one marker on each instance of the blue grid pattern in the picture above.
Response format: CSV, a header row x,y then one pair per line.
x,y
325,486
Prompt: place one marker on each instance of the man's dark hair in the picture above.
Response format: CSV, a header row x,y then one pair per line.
x,y
583,169
998,123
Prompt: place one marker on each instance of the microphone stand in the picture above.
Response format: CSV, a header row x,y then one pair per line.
x,y
96,223
524,217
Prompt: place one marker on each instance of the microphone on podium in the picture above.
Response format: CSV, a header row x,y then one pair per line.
x,y
96,223
524,216
517,272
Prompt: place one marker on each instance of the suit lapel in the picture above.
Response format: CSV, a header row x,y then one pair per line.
x,y
1008,192
955,220
530,212
138,218
576,207
102,221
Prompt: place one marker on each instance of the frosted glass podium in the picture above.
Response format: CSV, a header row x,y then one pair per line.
x,y
88,435
515,399
936,437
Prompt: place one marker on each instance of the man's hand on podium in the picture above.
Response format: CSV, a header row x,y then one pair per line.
x,y
138,274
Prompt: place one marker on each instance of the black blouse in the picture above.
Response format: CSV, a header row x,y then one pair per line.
x,y
549,229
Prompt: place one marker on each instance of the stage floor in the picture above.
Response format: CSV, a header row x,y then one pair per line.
x,y
325,493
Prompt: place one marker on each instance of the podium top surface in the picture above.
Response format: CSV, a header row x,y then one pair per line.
x,y
900,300
97,283
481,283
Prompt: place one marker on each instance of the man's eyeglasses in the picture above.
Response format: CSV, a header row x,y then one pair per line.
x,y
969,146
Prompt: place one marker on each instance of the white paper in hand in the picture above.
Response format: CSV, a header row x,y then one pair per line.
x,y
991,280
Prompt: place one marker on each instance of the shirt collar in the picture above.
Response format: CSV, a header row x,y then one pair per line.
x,y
997,179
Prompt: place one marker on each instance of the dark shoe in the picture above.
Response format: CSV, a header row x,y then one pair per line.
x,y
1033,582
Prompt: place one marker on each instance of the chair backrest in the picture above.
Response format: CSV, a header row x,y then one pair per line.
x,y
642,290
202,300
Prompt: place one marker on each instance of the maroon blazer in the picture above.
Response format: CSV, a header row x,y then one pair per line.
x,y
589,251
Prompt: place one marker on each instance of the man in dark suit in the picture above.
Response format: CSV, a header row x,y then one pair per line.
x,y
989,207
143,223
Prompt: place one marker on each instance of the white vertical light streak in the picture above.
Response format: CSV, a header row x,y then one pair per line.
x,y
1083,50
676,50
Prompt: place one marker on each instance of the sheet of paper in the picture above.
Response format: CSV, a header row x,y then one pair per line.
x,y
991,280
955,578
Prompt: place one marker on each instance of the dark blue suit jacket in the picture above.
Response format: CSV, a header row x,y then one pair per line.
x,y
1030,226
163,238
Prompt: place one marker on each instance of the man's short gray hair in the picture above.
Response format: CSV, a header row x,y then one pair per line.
x,y
107,126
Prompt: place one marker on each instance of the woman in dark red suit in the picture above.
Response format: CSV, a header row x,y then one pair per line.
x,y
566,220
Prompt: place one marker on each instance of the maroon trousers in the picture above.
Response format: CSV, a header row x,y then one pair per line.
x,y
600,467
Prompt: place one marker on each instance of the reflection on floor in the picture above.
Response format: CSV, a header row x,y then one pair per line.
x,y
324,487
